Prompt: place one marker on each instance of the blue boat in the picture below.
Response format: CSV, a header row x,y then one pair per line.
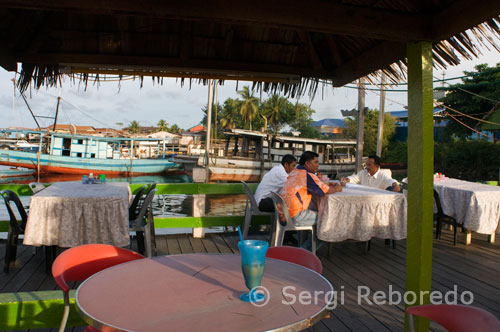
x,y
80,154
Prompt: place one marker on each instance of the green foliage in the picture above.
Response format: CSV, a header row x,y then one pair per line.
x,y
470,160
162,125
274,113
370,130
134,127
395,152
175,129
483,83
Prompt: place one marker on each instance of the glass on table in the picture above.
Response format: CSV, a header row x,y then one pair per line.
x,y
253,258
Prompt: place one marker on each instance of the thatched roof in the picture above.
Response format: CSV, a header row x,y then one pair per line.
x,y
286,46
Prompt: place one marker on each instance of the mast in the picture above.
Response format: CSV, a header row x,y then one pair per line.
x,y
27,104
57,110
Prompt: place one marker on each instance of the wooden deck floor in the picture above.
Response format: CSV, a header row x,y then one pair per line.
x,y
473,268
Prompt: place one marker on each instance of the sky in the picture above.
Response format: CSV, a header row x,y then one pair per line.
x,y
116,105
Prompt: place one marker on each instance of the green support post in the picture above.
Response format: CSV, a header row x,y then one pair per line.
x,y
420,176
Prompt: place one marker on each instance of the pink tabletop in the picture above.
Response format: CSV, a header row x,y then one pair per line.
x,y
200,292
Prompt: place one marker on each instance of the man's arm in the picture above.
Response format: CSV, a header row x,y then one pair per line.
x,y
334,188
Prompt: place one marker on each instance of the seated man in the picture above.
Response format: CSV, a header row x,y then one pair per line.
x,y
301,185
273,181
372,176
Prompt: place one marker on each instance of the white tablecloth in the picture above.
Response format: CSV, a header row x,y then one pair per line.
x,y
69,214
476,205
360,213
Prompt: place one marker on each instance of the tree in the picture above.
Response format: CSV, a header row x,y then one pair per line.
x,y
370,130
476,95
162,125
274,112
134,127
249,107
175,129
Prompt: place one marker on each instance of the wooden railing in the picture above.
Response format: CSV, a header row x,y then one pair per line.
x,y
43,309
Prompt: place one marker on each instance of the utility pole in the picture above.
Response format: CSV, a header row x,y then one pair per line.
x,y
361,125
209,128
381,116
57,110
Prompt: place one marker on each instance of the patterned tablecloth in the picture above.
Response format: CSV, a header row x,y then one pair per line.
x,y
476,205
69,214
360,213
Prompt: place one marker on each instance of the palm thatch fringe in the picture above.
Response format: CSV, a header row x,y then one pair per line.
x,y
466,44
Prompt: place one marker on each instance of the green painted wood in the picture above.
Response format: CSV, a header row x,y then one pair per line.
x,y
30,310
189,222
163,188
420,174
207,221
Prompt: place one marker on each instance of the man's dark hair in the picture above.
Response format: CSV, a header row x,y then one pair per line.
x,y
306,156
287,159
376,159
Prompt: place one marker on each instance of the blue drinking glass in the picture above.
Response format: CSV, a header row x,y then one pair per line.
x,y
253,258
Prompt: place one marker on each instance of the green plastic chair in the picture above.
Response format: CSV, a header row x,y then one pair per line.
x,y
492,183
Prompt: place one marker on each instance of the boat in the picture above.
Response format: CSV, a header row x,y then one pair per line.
x,y
15,172
81,154
247,155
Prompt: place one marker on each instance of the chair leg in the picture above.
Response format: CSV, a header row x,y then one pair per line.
x,y
10,250
454,233
313,239
147,241
411,323
248,219
438,228
65,313
393,244
140,242
279,236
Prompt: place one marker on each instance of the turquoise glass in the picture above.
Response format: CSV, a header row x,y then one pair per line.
x,y
253,259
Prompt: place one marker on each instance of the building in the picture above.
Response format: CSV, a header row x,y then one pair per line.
x,y
330,127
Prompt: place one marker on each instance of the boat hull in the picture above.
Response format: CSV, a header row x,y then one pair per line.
x,y
75,165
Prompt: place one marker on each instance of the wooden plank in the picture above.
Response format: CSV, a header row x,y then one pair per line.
x,y
420,173
161,245
185,244
221,244
209,245
173,245
315,15
197,245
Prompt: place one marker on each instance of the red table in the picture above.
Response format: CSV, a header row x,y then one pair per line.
x,y
200,292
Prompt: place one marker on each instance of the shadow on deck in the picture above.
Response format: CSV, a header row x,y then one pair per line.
x,y
471,269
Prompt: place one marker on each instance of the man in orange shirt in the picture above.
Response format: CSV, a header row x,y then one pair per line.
x,y
301,185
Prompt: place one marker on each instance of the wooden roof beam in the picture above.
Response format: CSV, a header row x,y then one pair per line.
x,y
312,15
452,20
368,62
305,37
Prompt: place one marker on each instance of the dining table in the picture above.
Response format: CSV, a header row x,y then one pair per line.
x,y
360,213
200,292
475,205
68,214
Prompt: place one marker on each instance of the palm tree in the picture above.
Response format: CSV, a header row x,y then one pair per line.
x,y
134,127
162,125
275,108
249,107
175,129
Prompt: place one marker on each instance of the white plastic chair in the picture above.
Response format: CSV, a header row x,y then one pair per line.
x,y
280,229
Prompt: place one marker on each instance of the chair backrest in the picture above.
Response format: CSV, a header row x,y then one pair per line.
x,y
132,210
10,196
250,197
79,263
36,187
296,255
457,318
277,199
145,205
438,203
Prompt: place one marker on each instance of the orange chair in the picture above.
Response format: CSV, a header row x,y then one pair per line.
x,y
296,255
456,318
79,263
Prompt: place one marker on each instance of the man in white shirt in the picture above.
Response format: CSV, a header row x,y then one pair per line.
x,y
372,176
273,181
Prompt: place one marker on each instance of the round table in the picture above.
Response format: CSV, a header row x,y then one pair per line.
x,y
194,292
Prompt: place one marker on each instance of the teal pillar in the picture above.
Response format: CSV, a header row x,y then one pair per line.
x,y
420,176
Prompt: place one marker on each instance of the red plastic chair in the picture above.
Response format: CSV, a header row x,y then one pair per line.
x,y
296,255
456,318
81,262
